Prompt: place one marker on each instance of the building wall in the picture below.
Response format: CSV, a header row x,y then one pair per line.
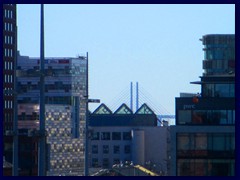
x,y
9,43
148,147
202,155
65,83
203,142
66,153
156,148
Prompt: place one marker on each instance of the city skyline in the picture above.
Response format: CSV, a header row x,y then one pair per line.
x,y
143,43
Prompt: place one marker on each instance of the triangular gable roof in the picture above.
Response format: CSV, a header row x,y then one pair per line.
x,y
102,109
123,109
144,109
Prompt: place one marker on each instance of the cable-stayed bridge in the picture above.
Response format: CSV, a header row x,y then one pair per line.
x,y
134,96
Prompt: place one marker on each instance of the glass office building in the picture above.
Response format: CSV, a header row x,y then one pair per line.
x,y
203,140
65,93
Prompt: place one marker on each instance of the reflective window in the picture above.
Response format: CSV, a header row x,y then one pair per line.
x,y
184,116
209,117
205,167
205,144
219,90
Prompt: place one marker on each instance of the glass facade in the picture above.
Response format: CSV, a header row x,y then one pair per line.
x,y
206,117
218,90
205,133
219,54
65,81
205,154
205,167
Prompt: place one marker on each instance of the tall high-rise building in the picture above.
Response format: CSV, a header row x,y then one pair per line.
x,y
203,140
9,59
65,116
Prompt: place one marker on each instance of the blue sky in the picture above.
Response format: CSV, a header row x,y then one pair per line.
x,y
157,45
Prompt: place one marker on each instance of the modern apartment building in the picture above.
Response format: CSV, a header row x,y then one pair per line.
x,y
65,103
9,42
203,140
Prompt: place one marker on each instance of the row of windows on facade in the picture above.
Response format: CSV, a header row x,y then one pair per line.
x,y
8,104
8,78
8,65
8,39
115,136
116,149
8,13
205,167
8,52
48,99
8,27
206,117
55,72
206,141
51,87
106,162
219,67
8,117
220,54
219,90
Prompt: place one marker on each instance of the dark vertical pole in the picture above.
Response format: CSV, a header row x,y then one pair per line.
x,y
131,96
15,116
136,96
86,124
42,141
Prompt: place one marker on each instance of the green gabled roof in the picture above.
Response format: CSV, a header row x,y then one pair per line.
x,y
123,109
144,109
102,109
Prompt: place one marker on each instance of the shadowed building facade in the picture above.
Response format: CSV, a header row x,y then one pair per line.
x,y
9,50
122,137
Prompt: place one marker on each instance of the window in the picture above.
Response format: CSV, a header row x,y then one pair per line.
x,y
127,136
184,116
95,149
94,162
95,136
105,163
116,149
116,136
105,136
105,149
127,149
